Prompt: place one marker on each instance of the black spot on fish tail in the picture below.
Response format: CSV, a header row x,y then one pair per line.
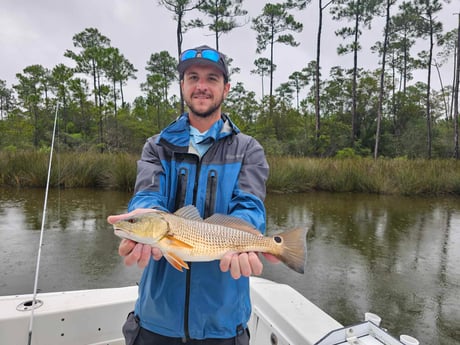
x,y
294,252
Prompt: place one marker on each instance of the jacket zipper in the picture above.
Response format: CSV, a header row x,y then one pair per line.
x,y
189,271
210,201
187,304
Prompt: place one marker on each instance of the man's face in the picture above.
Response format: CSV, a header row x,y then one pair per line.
x,y
204,90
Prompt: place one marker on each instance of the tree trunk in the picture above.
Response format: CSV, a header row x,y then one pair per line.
x,y
114,96
179,51
428,87
272,43
317,68
457,82
354,114
93,63
382,80
121,94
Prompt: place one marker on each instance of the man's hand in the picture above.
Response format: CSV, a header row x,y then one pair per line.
x,y
134,252
244,264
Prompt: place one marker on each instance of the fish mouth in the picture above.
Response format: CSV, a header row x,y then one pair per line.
x,y
120,233
130,236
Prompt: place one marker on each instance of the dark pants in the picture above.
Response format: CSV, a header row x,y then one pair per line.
x,y
136,335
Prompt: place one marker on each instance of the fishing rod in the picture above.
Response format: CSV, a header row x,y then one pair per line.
x,y
40,245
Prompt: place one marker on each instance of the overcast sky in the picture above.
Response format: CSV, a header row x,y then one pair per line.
x,y
40,31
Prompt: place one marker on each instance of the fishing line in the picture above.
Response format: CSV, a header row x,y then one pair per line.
x,y
37,269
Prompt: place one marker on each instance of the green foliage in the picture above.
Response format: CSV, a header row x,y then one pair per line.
x,y
93,116
117,171
275,25
222,14
346,152
16,131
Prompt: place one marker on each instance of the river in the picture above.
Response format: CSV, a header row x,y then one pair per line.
x,y
397,257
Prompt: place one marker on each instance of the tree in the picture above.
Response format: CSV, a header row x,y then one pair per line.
x,y
90,59
6,99
79,91
60,76
401,39
300,4
222,14
180,8
163,65
388,5
321,9
263,68
284,93
117,70
448,42
31,88
162,72
431,28
242,107
456,85
360,13
271,26
298,80
336,97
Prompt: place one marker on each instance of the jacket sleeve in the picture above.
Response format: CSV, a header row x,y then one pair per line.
x,y
150,181
249,194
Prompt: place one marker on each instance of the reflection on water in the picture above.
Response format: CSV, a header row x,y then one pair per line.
x,y
394,256
79,248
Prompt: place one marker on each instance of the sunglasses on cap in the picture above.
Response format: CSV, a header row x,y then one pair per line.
x,y
208,54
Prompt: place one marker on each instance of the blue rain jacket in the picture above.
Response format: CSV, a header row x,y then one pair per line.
x,y
201,302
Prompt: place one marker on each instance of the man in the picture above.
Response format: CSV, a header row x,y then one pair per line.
x,y
202,159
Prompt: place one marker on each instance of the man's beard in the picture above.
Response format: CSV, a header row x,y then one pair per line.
x,y
206,113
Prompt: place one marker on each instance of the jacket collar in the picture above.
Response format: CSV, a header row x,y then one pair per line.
x,y
178,132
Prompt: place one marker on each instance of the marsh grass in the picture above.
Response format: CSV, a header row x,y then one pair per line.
x,y
120,172
287,174
383,176
69,170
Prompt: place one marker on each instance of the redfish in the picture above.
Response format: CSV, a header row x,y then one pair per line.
x,y
184,236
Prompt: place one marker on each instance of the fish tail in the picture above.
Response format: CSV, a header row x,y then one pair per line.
x,y
294,249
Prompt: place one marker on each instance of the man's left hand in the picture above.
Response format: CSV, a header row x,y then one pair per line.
x,y
244,264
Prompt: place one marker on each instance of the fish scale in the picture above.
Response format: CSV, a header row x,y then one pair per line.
x,y
210,240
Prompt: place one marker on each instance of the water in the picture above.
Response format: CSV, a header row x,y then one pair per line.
x,y
394,256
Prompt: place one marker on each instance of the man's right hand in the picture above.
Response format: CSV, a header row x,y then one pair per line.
x,y
134,252
139,253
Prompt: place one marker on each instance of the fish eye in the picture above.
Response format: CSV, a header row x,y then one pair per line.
x,y
131,220
278,239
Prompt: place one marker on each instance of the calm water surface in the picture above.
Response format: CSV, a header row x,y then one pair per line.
x,y
397,257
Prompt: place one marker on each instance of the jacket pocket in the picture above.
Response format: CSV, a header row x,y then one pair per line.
x,y
211,191
181,189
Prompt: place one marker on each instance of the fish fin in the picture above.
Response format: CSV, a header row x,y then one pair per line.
x,y
189,212
174,242
232,222
294,248
176,261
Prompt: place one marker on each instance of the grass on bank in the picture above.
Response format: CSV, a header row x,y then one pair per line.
x,y
287,174
29,169
382,176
